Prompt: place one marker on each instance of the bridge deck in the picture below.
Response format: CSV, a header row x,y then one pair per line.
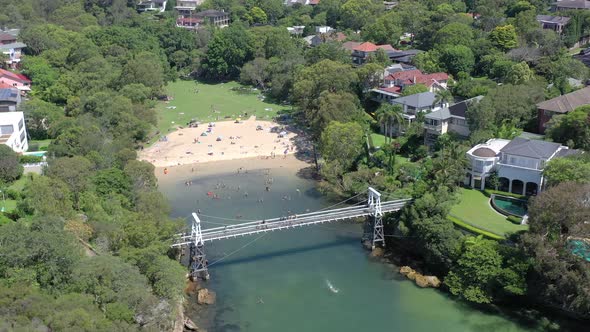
x,y
269,225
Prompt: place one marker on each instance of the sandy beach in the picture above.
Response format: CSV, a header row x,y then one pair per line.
x,y
220,141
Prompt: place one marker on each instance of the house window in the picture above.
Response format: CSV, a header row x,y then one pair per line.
x,y
21,124
6,129
22,137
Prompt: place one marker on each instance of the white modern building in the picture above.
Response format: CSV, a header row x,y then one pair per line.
x,y
152,6
519,163
13,132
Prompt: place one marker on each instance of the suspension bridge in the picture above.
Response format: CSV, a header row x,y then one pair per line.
x,y
197,237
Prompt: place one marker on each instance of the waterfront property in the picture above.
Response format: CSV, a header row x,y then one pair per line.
x,y
19,81
474,208
519,163
451,119
13,132
394,84
509,206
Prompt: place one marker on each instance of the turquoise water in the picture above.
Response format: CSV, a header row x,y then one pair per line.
x,y
580,248
514,206
36,153
280,282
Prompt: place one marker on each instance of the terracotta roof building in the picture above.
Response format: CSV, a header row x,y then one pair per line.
x,y
361,52
561,105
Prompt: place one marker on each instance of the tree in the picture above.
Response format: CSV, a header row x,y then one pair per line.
x,y
443,97
355,14
568,169
227,52
343,154
45,196
74,172
559,278
519,73
256,72
10,169
457,59
144,69
257,15
341,106
504,37
572,128
385,30
325,75
414,89
454,34
387,115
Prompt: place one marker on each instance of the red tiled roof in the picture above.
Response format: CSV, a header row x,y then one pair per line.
x,y
366,47
415,76
6,37
350,45
17,77
386,47
339,36
393,89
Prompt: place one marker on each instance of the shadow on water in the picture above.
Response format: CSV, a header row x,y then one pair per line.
x,y
288,252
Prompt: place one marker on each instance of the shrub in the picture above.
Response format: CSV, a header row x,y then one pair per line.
x,y
10,169
30,159
470,228
490,192
514,219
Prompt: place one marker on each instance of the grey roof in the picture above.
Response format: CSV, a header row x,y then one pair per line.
x,y
12,32
457,110
574,4
531,148
13,45
418,100
567,102
211,13
553,19
568,152
9,95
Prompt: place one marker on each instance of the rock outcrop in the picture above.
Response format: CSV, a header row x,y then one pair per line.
x,y
205,296
377,252
420,280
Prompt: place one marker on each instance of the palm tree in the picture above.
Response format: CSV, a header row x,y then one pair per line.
x,y
443,96
387,115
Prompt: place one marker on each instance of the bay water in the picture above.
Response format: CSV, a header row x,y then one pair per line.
x,y
315,278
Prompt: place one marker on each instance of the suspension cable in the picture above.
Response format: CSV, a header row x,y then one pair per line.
x,y
237,250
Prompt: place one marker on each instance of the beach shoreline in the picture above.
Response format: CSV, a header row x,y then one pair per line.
x,y
223,141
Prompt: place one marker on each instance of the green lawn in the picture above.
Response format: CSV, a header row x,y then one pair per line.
x,y
476,210
379,140
10,205
212,102
42,144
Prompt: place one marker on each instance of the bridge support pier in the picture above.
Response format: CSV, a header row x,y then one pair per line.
x,y
377,214
198,261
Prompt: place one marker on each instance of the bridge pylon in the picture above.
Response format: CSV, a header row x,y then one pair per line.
x,y
198,261
374,203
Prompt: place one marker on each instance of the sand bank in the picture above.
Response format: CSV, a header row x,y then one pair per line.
x,y
224,140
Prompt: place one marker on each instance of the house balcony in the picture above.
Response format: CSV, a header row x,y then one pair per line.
x,y
433,128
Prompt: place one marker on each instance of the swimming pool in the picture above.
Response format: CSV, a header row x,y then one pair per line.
x,y
35,153
509,206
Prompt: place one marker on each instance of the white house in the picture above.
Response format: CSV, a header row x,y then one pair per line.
x,y
519,163
151,6
13,132
452,119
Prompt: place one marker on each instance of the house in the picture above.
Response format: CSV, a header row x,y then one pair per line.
x,y
296,30
405,56
361,53
452,119
151,6
324,29
19,81
10,98
13,132
519,163
302,2
561,105
413,104
10,47
563,5
190,23
217,18
186,8
555,23
394,84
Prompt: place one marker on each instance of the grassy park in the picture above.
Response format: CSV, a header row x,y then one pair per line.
x,y
207,102
475,209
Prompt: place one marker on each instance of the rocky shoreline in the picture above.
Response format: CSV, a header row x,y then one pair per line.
x,y
204,297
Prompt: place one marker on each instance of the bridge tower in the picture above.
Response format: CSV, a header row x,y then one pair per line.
x,y
374,204
198,262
